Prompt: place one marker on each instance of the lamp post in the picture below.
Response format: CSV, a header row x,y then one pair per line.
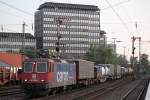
x,y
114,44
124,52
102,35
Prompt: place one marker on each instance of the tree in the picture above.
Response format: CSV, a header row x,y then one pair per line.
x,y
144,60
101,54
122,60
31,53
135,61
144,63
34,53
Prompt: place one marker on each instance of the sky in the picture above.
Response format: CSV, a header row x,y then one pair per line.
x,y
118,19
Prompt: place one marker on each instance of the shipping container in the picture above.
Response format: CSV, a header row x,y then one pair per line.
x,y
84,69
64,74
117,71
111,71
101,72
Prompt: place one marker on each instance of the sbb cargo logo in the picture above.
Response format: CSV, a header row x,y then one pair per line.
x,y
65,76
59,76
62,76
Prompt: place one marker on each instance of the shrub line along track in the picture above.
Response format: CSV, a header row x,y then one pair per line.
x,y
136,92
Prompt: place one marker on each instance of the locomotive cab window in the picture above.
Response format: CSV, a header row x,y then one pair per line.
x,y
41,67
49,67
27,67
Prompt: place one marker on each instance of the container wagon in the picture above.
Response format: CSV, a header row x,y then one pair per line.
x,y
117,71
84,72
101,72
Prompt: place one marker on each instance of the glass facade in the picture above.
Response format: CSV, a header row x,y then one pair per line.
x,y
79,29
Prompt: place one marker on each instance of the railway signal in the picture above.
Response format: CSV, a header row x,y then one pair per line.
x,y
59,21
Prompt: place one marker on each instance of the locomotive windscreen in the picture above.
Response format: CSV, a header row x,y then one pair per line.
x,y
27,67
41,67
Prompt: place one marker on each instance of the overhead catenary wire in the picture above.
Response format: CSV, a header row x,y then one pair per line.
x,y
129,22
3,27
9,30
119,17
14,15
129,18
117,4
11,6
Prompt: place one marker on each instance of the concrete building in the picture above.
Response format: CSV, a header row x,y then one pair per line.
x,y
14,41
79,28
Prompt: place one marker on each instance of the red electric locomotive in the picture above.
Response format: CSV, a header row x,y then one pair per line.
x,y
47,75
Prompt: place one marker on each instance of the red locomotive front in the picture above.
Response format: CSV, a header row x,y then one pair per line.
x,y
46,75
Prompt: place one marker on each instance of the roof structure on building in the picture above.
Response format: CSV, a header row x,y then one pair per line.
x,y
68,6
16,35
3,64
14,59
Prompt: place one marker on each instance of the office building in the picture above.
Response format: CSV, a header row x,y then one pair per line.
x,y
79,28
16,41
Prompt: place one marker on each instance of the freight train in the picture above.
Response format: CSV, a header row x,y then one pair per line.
x,y
50,75
9,74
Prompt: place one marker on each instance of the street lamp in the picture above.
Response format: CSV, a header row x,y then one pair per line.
x,y
102,34
115,44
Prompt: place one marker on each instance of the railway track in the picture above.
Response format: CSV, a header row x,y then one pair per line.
x,y
121,90
11,93
92,95
82,93
9,87
136,92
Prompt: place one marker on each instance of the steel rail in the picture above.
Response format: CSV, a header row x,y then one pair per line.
x,y
105,91
102,90
140,95
131,90
74,93
11,92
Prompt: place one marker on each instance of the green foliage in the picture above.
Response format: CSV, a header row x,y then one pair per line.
x,y
144,60
145,63
121,60
43,53
104,55
100,54
51,54
135,61
31,53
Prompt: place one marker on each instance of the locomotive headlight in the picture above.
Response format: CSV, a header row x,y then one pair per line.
x,y
42,80
25,80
